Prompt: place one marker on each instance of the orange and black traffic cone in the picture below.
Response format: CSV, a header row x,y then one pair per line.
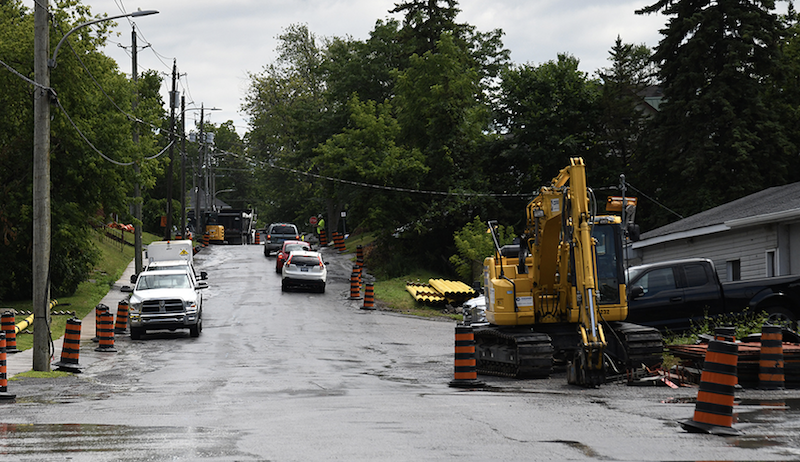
x,y
770,362
714,409
466,367
4,394
71,349
369,297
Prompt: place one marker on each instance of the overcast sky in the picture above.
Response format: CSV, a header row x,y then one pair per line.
x,y
218,43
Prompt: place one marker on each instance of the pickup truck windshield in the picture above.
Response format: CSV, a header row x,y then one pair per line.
x,y
163,281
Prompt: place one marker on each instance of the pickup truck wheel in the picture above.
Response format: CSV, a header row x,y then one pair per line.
x,y
779,316
194,331
136,333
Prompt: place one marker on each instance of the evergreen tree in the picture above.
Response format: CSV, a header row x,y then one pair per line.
x,y
718,135
624,111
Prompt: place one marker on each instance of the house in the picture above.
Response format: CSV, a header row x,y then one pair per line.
x,y
755,236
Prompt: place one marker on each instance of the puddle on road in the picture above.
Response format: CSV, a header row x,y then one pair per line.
x,y
117,442
762,422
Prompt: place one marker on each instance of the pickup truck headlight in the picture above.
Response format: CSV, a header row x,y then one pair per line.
x,y
135,307
191,306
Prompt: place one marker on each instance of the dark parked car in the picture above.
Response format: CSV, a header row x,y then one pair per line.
x,y
276,234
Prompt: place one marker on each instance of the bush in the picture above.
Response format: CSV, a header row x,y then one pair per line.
x,y
474,244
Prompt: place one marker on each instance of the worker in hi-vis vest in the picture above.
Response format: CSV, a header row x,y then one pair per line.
x,y
320,225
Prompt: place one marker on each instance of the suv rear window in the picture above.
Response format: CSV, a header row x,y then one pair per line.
x,y
304,260
283,229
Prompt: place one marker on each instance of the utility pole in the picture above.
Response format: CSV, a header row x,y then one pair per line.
x,y
41,188
172,103
137,191
183,167
198,214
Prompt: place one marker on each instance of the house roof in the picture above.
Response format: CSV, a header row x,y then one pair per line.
x,y
779,203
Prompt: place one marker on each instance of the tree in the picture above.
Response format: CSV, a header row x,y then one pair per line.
x,y
623,109
474,244
368,152
88,186
289,118
719,130
551,113
425,21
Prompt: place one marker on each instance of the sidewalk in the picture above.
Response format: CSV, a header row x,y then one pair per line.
x,y
23,361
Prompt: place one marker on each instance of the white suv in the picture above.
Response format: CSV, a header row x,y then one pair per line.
x,y
304,268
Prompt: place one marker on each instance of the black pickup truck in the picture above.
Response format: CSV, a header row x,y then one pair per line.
x,y
675,295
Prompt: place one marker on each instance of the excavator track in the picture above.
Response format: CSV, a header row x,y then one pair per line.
x,y
641,345
513,352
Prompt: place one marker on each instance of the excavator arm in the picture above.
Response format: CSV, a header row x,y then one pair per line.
x,y
560,236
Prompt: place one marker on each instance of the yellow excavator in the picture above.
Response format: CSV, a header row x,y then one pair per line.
x,y
559,296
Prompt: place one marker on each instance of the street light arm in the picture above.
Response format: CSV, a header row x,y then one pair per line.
x,y
135,14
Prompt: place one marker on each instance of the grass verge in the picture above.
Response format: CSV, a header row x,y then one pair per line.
x,y
115,257
393,294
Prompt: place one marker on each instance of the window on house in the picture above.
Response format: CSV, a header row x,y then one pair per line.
x,y
772,264
734,270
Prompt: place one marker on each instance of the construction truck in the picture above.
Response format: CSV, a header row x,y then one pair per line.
x,y
230,226
559,296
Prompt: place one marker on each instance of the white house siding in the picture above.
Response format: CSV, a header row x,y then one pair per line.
x,y
749,246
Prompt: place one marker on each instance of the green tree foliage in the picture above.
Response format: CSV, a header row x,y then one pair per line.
x,y
87,187
624,112
474,244
436,104
424,23
367,151
289,118
551,112
719,134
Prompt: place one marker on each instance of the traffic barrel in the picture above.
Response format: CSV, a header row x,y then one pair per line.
x,y
98,311
369,297
70,350
714,409
360,255
770,362
725,334
206,239
121,323
4,394
355,286
10,329
338,241
105,332
323,238
466,369
258,237
357,270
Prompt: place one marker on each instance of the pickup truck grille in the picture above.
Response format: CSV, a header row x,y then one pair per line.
x,y
161,306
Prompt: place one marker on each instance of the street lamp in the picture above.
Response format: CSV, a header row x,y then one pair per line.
x,y
214,204
135,14
41,175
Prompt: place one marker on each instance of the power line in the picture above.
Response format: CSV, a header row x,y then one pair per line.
x,y
115,162
375,186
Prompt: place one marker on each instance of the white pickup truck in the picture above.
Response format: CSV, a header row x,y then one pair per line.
x,y
166,299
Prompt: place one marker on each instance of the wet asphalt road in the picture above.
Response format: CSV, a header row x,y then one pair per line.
x,y
304,376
